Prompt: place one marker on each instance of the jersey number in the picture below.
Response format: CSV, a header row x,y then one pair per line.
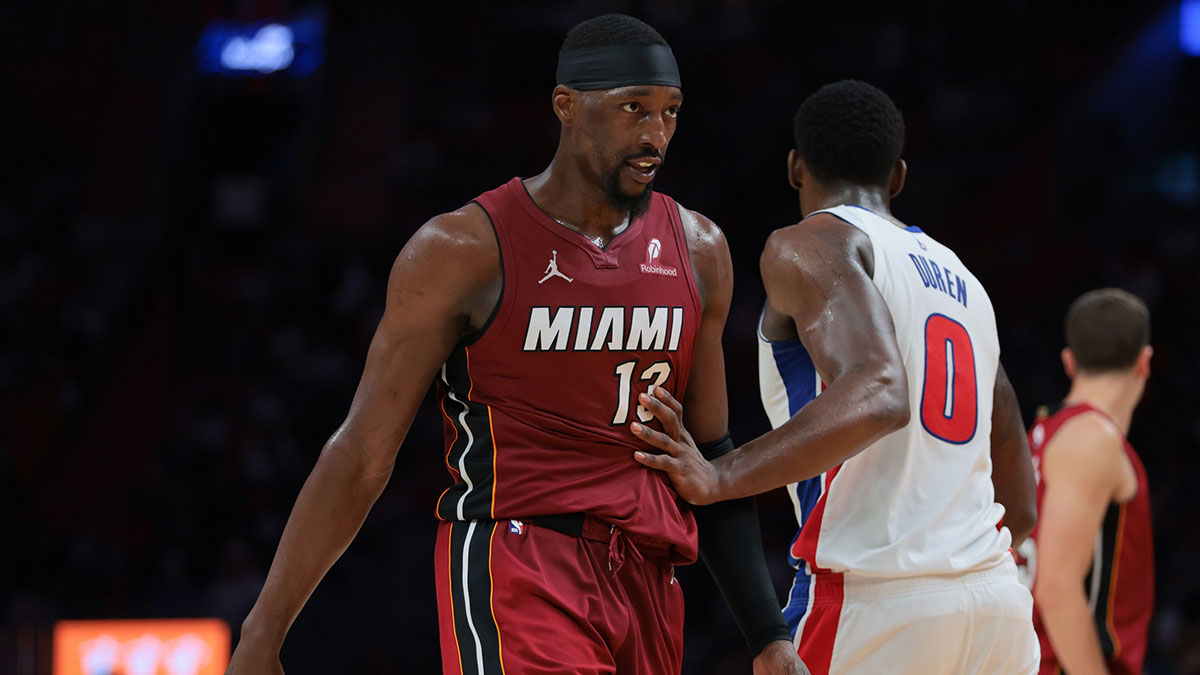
x,y
949,400
656,373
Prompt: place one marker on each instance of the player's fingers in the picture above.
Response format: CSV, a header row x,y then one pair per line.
x,y
660,462
668,417
666,397
656,438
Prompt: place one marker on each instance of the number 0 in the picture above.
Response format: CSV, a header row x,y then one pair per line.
x,y
949,396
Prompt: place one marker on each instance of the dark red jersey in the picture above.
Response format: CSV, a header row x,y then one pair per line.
x,y
1120,585
537,408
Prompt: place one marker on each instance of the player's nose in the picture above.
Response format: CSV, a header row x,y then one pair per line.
x,y
654,133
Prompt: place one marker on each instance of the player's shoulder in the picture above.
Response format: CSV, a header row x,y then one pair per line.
x,y
710,258
1086,441
465,229
705,240
462,240
1091,425
816,242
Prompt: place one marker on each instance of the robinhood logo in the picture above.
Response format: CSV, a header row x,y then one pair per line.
x,y
653,252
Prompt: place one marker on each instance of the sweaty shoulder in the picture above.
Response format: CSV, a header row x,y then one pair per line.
x,y
817,244
704,238
465,231
463,244
709,252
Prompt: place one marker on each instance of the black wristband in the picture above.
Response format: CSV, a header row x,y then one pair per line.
x,y
714,449
731,547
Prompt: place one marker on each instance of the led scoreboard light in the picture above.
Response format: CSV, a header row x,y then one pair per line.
x,y
141,647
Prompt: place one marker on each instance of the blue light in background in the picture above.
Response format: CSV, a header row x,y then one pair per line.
x,y
261,48
1189,27
268,51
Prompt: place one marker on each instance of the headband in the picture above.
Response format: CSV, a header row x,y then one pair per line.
x,y
617,66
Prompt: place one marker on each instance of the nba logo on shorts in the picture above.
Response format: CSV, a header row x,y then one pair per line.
x,y
516,526
651,266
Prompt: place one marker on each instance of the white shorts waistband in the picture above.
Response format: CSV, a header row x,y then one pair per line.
x,y
857,588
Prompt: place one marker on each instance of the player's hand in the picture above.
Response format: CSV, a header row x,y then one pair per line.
x,y
694,478
250,659
779,658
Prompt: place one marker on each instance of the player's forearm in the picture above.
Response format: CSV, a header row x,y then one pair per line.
x,y
1020,528
1015,489
1020,512
731,546
1012,469
329,511
1068,621
850,415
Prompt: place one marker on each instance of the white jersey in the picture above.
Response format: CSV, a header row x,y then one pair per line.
x,y
918,501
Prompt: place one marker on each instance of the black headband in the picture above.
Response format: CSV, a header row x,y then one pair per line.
x,y
617,66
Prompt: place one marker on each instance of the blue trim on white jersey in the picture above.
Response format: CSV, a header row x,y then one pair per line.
x,y
798,372
797,604
807,493
799,377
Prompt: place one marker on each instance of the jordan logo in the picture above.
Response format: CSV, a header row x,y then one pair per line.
x,y
552,269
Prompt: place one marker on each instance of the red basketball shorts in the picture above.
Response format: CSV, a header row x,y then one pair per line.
x,y
519,599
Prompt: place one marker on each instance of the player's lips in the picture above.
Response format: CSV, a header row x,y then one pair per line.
x,y
643,168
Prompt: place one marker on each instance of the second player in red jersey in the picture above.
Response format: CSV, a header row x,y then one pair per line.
x,y
1091,557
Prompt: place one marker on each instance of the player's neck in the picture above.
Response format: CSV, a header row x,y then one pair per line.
x,y
872,198
566,195
1115,394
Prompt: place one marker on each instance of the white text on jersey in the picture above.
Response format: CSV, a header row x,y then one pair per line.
x,y
595,331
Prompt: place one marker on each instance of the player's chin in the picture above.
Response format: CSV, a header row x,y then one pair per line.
x,y
633,189
627,194
637,192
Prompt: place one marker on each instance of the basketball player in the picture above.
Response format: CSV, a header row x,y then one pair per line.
x,y
1091,555
893,417
541,309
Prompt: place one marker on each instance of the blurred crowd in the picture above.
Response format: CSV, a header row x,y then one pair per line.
x,y
192,266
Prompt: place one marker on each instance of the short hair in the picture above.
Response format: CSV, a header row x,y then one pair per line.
x,y
849,131
611,30
1106,329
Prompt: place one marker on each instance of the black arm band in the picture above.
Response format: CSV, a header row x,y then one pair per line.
x,y
714,449
731,547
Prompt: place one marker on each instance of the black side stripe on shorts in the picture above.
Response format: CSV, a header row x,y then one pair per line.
x,y
475,627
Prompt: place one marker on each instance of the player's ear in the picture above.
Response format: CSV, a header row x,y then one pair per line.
x,y
897,178
1142,365
794,169
1068,359
564,100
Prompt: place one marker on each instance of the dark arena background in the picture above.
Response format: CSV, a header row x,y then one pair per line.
x,y
200,202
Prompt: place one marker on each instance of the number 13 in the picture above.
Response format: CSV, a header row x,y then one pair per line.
x,y
656,374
